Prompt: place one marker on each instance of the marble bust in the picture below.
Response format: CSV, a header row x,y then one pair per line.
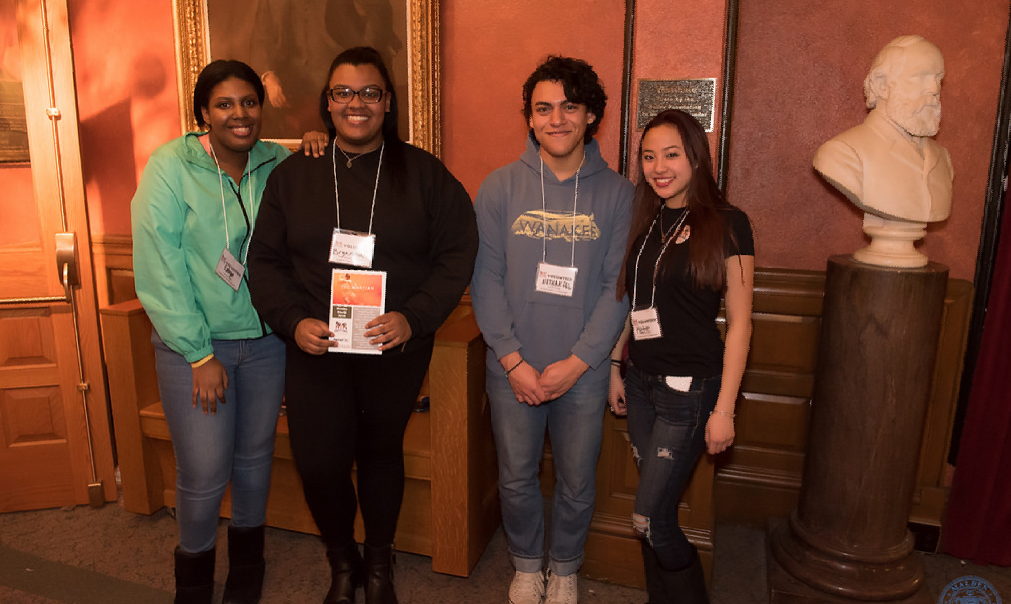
x,y
888,166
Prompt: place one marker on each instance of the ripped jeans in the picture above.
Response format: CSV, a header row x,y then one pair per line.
x,y
667,428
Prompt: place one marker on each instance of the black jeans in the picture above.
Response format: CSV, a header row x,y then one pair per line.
x,y
346,409
667,428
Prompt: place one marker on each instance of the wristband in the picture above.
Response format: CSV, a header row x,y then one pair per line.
x,y
202,361
508,371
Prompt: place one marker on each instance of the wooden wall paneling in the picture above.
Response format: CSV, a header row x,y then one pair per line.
x,y
931,494
113,256
760,476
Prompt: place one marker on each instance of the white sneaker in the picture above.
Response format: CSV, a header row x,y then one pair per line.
x,y
562,590
527,588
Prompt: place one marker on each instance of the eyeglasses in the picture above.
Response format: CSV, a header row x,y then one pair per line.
x,y
368,95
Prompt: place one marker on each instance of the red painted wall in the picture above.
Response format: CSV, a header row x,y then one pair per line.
x,y
124,61
489,49
688,44
800,72
800,68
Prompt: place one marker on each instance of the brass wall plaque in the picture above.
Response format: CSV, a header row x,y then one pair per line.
x,y
697,97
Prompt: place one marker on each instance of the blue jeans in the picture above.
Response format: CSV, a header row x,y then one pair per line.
x,y
235,444
574,423
668,429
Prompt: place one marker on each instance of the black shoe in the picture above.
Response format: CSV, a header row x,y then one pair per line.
x,y
346,574
379,575
194,577
688,583
245,565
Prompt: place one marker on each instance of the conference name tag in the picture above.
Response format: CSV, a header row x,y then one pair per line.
x,y
352,248
230,270
555,280
646,324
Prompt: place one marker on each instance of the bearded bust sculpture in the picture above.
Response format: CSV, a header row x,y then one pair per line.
x,y
888,166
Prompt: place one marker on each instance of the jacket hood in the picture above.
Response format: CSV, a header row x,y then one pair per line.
x,y
594,161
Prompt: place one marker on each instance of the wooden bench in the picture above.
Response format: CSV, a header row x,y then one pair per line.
x,y
451,507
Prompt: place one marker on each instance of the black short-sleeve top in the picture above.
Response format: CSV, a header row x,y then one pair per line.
x,y
691,343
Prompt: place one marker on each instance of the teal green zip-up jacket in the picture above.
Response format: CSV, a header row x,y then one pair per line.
x,y
179,234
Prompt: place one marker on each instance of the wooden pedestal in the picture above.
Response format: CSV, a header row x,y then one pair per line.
x,y
848,536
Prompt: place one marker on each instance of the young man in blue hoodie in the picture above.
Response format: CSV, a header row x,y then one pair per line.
x,y
553,228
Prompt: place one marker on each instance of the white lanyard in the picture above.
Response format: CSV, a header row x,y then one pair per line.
x,y
221,184
674,234
544,220
375,190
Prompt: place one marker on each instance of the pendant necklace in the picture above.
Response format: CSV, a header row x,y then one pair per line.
x,y
348,157
665,235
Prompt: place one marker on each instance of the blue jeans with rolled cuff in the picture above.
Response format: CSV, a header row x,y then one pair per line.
x,y
234,445
574,423
667,428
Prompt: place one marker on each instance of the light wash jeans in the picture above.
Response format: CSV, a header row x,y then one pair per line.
x,y
574,423
235,444
668,430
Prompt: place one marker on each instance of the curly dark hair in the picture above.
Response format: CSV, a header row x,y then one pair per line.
x,y
213,74
580,83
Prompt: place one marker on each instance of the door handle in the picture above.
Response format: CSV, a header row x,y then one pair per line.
x,y
66,267
66,260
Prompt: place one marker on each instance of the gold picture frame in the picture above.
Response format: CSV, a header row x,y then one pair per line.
x,y
193,52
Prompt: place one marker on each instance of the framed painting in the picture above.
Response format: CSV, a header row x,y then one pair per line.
x,y
291,44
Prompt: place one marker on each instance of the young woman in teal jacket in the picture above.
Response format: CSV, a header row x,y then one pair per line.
x,y
220,369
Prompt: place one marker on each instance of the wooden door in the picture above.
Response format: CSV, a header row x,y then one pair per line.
x,y
55,448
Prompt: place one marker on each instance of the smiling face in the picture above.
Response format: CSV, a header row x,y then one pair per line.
x,y
359,125
558,124
665,164
232,116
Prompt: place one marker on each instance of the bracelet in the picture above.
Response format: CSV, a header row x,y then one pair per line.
x,y
616,362
202,361
508,371
723,413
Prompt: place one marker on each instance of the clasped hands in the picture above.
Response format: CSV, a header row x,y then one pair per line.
x,y
533,387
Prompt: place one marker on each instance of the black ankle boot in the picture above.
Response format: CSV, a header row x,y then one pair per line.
x,y
654,582
688,583
379,575
194,577
245,565
345,572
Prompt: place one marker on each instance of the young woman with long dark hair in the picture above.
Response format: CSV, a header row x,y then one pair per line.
x,y
687,249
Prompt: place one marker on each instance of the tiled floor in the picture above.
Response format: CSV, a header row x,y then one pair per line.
x,y
112,545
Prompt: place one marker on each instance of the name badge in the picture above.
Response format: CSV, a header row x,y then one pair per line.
x,y
555,280
646,324
352,248
230,270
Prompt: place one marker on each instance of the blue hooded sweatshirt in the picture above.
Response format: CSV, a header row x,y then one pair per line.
x,y
515,234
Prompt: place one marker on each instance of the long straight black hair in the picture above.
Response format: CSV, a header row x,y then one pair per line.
x,y
705,203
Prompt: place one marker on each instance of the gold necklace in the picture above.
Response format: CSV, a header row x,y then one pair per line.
x,y
664,236
348,157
